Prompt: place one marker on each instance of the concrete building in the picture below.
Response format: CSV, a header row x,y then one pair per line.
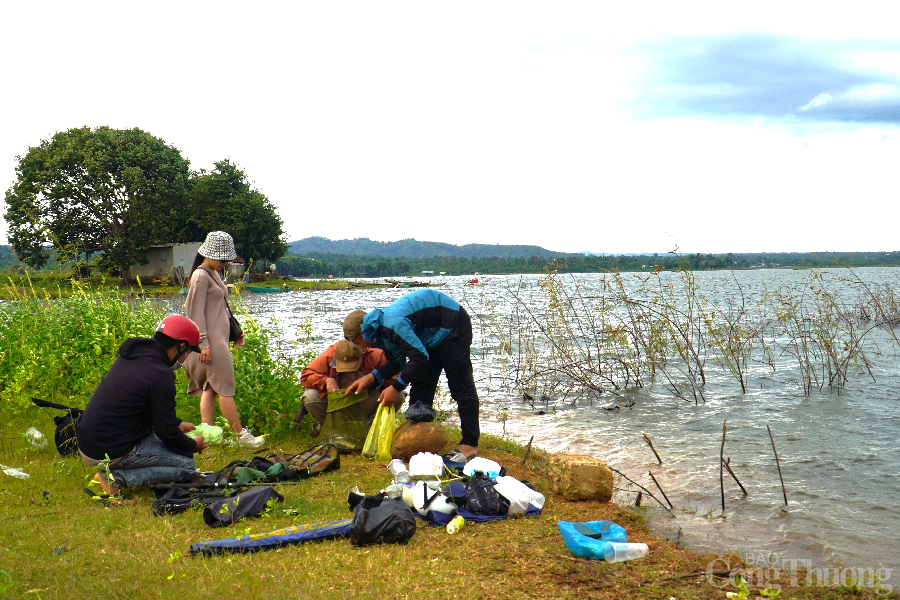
x,y
172,261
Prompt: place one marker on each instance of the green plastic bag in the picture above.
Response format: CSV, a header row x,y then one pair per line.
x,y
381,434
346,422
212,434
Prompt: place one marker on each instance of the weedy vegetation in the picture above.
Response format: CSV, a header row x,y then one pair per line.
x,y
563,340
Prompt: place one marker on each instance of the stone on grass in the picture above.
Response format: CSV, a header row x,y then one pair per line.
x,y
577,477
412,438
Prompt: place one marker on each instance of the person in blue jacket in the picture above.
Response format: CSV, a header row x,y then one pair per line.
x,y
422,333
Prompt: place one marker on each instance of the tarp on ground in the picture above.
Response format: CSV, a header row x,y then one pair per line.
x,y
275,539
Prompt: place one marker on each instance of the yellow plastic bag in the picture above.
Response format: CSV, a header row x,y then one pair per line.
x,y
381,434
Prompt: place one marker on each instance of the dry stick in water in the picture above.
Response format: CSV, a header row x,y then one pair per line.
x,y
728,468
645,490
649,443
777,463
660,489
527,450
721,466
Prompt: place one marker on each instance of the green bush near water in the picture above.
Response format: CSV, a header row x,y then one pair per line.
x,y
58,349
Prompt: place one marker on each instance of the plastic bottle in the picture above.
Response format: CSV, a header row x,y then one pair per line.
x,y
398,469
455,524
395,490
615,552
35,438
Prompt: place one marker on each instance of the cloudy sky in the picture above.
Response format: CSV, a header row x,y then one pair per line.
x,y
577,126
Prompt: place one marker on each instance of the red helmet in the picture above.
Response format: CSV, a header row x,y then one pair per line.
x,y
180,328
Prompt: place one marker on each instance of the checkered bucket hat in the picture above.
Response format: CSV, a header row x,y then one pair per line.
x,y
218,246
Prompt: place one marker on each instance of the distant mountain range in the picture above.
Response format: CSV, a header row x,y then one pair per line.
x,y
415,249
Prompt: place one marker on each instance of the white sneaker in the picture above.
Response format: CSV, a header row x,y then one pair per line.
x,y
246,439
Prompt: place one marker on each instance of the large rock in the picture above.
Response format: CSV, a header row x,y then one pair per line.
x,y
412,438
577,477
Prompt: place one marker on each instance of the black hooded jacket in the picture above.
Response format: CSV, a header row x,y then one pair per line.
x,y
134,398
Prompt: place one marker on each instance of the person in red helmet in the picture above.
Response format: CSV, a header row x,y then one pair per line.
x,y
131,419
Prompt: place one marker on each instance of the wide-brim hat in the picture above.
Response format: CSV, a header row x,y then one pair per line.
x,y
347,357
218,246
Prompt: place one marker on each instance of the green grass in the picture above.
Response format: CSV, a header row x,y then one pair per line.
x,y
66,545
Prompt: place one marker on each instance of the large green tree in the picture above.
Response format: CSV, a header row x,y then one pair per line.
x,y
101,191
223,200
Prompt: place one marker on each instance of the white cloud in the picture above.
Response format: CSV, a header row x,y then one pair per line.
x,y
820,100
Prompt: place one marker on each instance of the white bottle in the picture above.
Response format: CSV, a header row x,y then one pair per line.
x,y
615,552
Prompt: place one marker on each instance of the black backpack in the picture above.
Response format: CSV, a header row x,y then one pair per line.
x,y
65,436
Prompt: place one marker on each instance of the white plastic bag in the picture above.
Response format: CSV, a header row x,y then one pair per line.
x,y
426,465
518,494
486,466
36,438
14,472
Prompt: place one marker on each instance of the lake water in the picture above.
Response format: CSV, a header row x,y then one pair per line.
x,y
838,447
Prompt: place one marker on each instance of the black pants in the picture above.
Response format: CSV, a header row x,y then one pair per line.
x,y
453,357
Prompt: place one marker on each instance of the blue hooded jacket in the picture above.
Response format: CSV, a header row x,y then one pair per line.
x,y
407,329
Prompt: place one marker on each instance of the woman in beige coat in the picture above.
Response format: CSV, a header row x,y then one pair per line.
x,y
211,372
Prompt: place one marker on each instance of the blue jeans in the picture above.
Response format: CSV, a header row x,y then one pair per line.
x,y
151,462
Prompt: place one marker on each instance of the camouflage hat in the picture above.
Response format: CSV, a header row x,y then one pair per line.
x,y
353,324
347,356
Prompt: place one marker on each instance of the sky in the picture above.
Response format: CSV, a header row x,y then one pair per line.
x,y
628,127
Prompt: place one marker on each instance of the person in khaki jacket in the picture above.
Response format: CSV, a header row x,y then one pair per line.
x,y
341,364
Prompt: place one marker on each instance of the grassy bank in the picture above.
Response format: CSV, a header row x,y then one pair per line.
x,y
55,542
54,284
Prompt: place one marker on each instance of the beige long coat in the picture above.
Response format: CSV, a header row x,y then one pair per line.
x,y
205,305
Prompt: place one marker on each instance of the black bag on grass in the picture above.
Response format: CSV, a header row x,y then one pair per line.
x,y
251,503
381,520
65,436
482,498
179,499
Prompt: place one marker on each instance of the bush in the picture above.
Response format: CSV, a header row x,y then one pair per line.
x,y
58,349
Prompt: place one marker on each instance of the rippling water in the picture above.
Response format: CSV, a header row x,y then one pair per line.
x,y
837,450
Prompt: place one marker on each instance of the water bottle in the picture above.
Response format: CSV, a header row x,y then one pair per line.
x,y
35,438
398,469
615,552
455,524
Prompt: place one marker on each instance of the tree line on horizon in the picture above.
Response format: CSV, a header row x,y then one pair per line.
x,y
104,196
318,264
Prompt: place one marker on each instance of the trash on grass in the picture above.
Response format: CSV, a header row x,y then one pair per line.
x,y
15,472
35,438
603,540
